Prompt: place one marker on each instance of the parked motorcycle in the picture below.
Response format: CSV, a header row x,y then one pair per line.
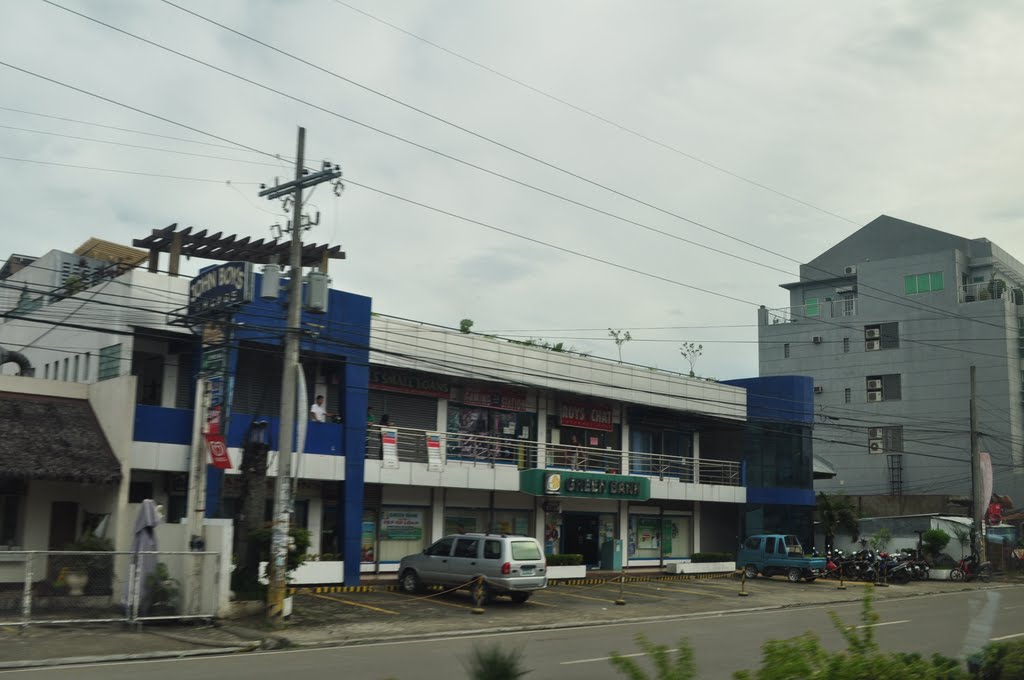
x,y
970,568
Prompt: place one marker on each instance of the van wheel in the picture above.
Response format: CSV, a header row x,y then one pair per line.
x,y
520,598
750,570
794,575
411,582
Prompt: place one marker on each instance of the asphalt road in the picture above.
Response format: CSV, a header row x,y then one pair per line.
x,y
952,623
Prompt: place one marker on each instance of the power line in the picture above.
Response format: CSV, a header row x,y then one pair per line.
x,y
534,158
598,117
121,172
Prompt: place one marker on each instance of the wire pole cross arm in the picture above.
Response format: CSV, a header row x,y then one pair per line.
x,y
328,174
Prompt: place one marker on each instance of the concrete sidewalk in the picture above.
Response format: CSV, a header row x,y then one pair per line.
x,y
43,645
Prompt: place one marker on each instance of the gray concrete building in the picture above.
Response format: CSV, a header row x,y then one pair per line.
x,y
888,322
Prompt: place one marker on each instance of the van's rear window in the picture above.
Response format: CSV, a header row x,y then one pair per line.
x,y
525,550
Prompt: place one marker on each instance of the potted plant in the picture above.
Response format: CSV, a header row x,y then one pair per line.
x,y
161,592
93,571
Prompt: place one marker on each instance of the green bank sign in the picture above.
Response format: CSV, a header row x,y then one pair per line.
x,y
566,484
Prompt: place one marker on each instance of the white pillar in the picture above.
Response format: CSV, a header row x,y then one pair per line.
x,y
624,531
541,435
539,519
437,496
624,428
442,415
696,526
696,457
169,388
316,519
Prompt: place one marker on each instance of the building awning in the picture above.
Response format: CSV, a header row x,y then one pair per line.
x,y
823,469
53,438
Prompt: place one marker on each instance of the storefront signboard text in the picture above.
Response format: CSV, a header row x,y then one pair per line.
x,y
503,398
586,416
401,525
410,383
568,484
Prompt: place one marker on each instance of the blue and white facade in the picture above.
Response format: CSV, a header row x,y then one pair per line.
x,y
471,414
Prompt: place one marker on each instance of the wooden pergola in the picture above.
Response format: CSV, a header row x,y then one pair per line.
x,y
228,249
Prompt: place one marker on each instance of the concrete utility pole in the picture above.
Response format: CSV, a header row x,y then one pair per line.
x,y
282,487
978,504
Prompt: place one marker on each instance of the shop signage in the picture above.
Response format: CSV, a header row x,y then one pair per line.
x,y
409,383
494,397
401,525
218,451
221,287
567,484
389,447
435,459
586,416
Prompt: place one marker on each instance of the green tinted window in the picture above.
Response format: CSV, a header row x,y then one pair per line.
x,y
924,284
813,308
936,281
910,285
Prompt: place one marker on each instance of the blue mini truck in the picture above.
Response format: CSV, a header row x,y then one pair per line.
x,y
771,554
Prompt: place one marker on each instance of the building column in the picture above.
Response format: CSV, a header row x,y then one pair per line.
x,y
542,434
696,526
437,501
316,524
696,457
624,428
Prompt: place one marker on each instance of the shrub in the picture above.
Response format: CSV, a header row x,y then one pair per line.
x,y
564,560
681,668
700,557
495,663
805,657
934,542
1000,661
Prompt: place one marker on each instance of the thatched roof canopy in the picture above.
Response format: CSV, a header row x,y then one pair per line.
x,y
45,437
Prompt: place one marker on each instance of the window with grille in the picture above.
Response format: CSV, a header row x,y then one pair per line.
x,y
846,344
785,350
847,394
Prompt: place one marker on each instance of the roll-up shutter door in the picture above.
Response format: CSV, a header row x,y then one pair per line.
x,y
184,392
406,410
258,383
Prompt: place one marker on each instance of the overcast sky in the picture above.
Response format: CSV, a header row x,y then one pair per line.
x,y
855,109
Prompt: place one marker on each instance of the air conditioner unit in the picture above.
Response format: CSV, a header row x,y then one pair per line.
x,y
875,433
874,396
872,333
818,389
875,446
872,345
874,384
817,339
851,269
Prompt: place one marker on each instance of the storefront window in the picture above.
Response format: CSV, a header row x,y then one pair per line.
x,y
654,537
478,433
401,532
471,520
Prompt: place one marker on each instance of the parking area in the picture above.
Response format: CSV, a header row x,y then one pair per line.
x,y
384,609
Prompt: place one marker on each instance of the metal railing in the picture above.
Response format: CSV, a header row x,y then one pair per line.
x,y
843,307
71,587
990,290
525,454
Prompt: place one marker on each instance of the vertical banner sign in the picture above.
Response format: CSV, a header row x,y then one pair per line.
x,y
389,447
985,462
218,451
435,458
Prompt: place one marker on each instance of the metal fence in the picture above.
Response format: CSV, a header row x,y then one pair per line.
x,y
524,454
39,586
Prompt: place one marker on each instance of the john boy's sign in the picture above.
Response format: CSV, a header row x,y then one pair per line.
x,y
584,485
219,287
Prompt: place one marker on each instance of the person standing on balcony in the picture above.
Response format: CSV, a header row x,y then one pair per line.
x,y
317,412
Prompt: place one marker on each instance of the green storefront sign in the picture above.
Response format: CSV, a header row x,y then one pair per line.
x,y
567,484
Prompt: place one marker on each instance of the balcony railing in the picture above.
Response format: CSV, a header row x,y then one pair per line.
x,y
990,290
826,309
524,455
